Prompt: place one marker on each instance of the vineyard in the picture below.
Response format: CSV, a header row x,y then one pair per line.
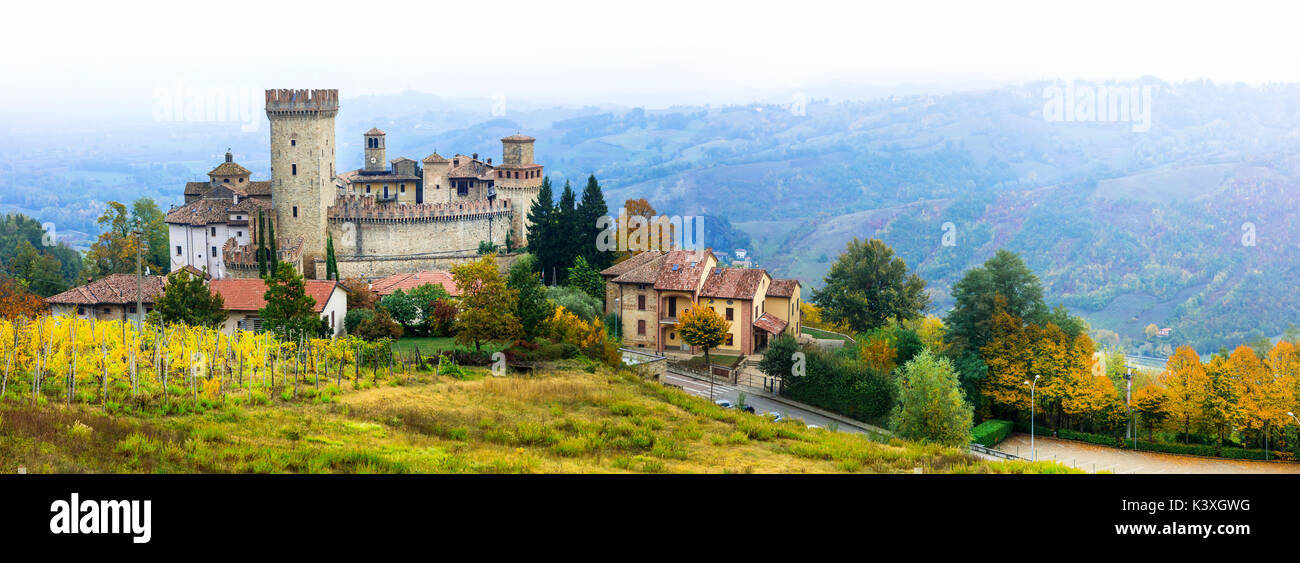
x,y
119,365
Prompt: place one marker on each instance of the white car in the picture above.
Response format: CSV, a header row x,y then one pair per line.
x,y
775,416
813,426
723,403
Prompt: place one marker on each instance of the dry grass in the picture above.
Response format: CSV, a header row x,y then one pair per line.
x,y
562,421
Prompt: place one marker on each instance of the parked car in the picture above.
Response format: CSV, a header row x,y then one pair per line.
x,y
775,416
813,426
747,409
723,403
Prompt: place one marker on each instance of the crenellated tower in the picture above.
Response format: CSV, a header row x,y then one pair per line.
x,y
519,178
302,166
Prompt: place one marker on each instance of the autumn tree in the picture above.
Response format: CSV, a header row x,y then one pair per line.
x,y
1186,387
705,328
931,405
487,306
16,301
359,294
868,286
1264,395
187,299
114,252
1151,404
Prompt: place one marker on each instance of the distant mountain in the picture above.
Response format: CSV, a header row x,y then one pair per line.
x,y
1189,225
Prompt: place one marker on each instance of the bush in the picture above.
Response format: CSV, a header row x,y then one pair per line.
x,y
575,301
355,317
990,432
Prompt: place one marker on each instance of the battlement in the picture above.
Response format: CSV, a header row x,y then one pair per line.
x,y
366,208
287,101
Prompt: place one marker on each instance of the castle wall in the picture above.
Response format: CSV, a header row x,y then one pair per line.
x,y
379,248
374,267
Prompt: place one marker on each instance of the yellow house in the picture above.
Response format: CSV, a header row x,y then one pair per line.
x,y
650,290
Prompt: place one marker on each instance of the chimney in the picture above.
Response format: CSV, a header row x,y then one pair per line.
x,y
229,157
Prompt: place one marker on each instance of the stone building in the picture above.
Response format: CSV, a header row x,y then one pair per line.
x,y
387,217
650,290
111,298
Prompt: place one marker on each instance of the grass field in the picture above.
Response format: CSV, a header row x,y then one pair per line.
x,y
821,334
564,420
697,362
428,345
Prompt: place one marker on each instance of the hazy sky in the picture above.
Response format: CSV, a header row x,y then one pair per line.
x,y
655,53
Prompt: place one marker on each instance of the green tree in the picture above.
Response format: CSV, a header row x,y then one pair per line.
x,y
289,311
586,278
187,299
568,233
151,222
273,252
868,286
114,252
261,246
401,307
533,308
39,273
331,264
426,298
541,230
931,405
487,305
1003,283
575,301
779,360
590,209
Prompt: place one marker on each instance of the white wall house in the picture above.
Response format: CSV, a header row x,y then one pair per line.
x,y
243,301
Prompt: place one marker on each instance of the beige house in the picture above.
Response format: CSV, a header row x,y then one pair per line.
x,y
650,290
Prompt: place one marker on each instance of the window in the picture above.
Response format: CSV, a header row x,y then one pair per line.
x,y
131,309
367,188
729,339
214,251
640,302
295,211
239,233
214,231
640,327
293,142
295,169
401,188
225,180
731,314
672,306
178,251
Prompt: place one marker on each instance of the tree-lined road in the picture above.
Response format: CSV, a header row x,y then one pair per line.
x,y
700,388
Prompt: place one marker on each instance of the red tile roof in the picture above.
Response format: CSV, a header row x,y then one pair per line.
x,y
682,270
408,281
782,287
631,263
732,283
770,324
117,289
248,294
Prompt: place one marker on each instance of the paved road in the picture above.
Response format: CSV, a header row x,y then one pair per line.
x,y
761,404
1090,458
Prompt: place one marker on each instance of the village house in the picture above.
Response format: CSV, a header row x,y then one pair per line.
x,y
408,281
650,290
244,301
111,298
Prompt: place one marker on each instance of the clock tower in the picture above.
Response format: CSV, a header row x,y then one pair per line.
x,y
375,161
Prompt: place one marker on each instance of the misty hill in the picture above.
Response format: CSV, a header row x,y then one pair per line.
x,y
1127,228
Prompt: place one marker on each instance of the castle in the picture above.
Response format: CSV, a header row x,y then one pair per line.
x,y
384,218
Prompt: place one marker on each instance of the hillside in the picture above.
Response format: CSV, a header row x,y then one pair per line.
x,y
562,421
1127,228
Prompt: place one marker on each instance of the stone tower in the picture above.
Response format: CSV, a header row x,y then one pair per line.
x,y
519,179
302,166
375,161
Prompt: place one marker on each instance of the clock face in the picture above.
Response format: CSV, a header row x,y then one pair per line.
x,y
372,160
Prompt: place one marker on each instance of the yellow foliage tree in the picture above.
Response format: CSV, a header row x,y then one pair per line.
x,y
1187,387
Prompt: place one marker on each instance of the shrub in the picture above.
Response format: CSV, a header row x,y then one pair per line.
x,y
990,432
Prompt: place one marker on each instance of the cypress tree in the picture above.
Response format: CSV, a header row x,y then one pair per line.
x,y
261,246
568,233
332,265
273,253
590,210
541,217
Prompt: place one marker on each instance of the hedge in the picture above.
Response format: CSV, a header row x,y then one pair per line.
x,y
1170,448
990,432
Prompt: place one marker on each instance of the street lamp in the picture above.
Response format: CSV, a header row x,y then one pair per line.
x,y
1032,387
1292,415
1130,431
